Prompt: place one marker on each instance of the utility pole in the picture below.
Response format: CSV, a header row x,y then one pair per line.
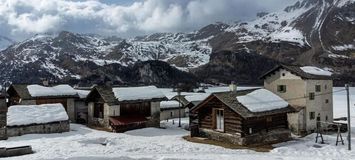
x,y
179,95
349,126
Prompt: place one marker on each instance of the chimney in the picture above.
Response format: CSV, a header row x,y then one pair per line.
x,y
45,82
233,87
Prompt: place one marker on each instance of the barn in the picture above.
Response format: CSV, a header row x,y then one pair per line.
x,y
242,117
124,108
37,119
23,94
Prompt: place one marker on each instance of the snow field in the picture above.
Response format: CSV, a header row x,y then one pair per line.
x,y
167,144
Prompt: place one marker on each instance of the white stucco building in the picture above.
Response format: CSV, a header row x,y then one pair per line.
x,y
308,90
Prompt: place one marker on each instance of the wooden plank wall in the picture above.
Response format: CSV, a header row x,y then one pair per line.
x,y
139,109
51,101
265,123
232,121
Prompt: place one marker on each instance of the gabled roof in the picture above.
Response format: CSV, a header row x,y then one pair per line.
x,y
295,69
118,95
106,93
23,90
192,104
230,100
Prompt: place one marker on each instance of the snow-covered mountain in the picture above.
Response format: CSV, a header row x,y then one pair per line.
x,y
5,42
310,32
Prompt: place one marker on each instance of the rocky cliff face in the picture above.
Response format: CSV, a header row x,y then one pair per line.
x,y
310,32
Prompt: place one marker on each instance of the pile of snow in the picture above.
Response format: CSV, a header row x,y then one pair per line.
x,y
262,100
316,71
35,114
82,93
59,90
137,93
169,104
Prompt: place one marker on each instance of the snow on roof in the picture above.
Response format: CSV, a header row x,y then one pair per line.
x,y
82,93
169,104
137,93
262,100
226,89
35,114
59,90
316,71
197,97
168,92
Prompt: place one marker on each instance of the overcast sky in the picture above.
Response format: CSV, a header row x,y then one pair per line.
x,y
124,18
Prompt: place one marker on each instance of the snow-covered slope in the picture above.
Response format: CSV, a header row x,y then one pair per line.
x,y
310,32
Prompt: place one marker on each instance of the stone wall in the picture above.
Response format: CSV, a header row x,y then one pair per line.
x,y
98,122
71,109
81,112
154,119
54,127
278,135
172,113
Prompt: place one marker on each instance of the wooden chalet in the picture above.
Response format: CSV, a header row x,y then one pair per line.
x,y
222,117
124,108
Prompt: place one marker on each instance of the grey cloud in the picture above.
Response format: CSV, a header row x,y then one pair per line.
x,y
21,18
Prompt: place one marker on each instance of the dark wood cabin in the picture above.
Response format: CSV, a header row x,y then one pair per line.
x,y
107,111
221,115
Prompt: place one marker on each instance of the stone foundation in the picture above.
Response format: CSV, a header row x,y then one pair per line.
x,y
55,127
274,136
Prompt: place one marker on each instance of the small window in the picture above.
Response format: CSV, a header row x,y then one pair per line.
x,y
312,115
311,96
326,100
318,88
325,87
326,118
281,88
283,74
171,114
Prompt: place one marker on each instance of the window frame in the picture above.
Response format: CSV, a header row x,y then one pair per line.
x,y
281,88
222,120
318,88
312,115
311,96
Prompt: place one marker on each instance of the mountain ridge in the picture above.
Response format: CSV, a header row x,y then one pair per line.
x,y
310,32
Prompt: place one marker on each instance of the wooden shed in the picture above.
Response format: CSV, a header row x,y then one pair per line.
x,y
124,108
224,118
25,94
